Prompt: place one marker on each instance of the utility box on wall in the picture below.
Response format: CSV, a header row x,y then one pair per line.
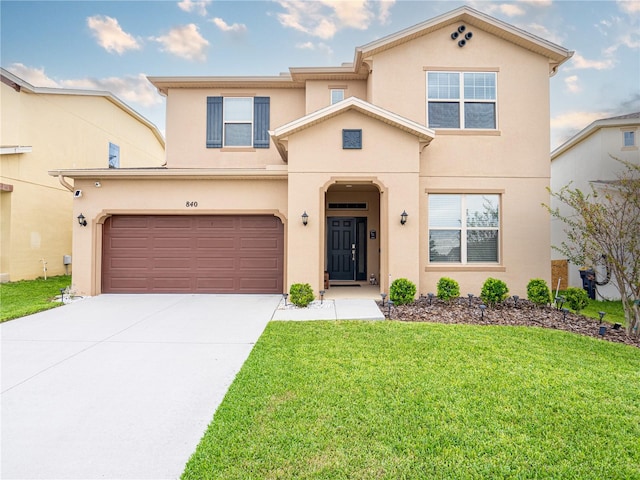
x,y
66,259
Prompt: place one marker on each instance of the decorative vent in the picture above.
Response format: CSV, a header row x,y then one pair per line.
x,y
352,139
348,206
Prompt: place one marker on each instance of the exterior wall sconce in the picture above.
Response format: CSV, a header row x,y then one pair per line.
x,y
403,217
82,221
305,218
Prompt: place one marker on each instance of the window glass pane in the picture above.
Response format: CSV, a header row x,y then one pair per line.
x,y
482,245
443,85
114,155
337,96
238,109
237,135
629,139
444,211
480,86
444,246
482,211
479,115
444,115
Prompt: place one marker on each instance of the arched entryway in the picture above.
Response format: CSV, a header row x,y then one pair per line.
x,y
353,233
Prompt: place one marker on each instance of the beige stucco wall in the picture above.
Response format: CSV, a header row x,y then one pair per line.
x,y
318,92
148,196
389,160
187,128
64,131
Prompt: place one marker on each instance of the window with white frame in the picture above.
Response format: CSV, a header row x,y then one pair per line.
x,y
461,100
464,228
114,155
337,95
238,121
629,138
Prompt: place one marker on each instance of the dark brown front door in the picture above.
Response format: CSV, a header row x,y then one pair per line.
x,y
192,254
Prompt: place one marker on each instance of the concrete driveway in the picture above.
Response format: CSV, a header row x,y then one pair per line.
x,y
120,386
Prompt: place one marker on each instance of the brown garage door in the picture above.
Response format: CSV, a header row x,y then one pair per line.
x,y
194,254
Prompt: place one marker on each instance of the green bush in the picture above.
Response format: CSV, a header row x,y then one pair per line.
x,y
301,294
577,298
538,292
448,288
494,291
402,291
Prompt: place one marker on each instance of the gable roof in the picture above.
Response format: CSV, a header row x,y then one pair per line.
x,y
279,135
630,119
19,85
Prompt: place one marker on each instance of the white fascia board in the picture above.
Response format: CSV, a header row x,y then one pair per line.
x,y
12,150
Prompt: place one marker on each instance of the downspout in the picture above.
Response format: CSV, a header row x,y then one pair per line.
x,y
65,184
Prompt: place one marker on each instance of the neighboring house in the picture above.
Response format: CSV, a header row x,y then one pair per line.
x,y
272,181
45,128
583,161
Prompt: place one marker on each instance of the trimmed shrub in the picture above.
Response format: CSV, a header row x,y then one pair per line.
x,y
538,292
577,298
301,294
402,291
493,291
448,288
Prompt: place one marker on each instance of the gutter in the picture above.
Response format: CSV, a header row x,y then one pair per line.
x,y
64,183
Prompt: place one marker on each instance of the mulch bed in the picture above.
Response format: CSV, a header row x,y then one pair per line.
x,y
520,313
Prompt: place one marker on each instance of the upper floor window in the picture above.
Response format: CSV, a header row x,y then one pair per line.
x,y
629,138
337,95
461,100
464,228
238,122
114,155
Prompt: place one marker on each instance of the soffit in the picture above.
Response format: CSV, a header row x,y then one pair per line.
x,y
163,84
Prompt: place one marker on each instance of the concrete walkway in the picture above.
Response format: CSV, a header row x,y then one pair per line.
x,y
124,386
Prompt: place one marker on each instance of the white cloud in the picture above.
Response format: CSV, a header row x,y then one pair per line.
x,y
130,88
629,6
197,6
511,10
572,84
185,42
320,47
565,125
578,62
225,27
110,35
538,3
324,18
32,75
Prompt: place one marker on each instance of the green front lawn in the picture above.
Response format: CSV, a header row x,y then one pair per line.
x,y
392,400
18,299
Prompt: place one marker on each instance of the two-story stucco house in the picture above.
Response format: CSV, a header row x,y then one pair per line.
x,y
585,161
44,128
427,156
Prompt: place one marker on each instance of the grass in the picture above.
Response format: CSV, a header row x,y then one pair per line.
x,y
612,308
393,400
25,297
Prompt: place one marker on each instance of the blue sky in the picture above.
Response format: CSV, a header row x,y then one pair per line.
x,y
114,45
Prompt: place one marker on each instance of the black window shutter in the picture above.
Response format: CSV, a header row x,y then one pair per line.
x,y
214,122
261,122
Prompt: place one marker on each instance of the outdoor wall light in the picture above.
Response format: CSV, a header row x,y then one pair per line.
x,y
82,221
305,218
403,217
